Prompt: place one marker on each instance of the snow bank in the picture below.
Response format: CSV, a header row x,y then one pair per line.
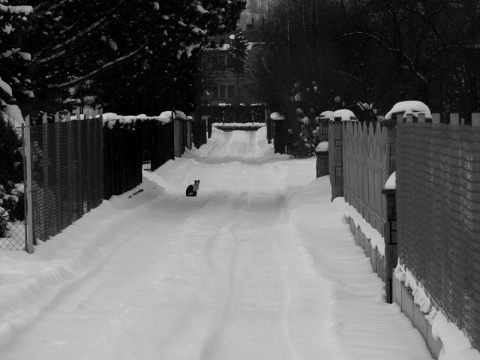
x,y
376,239
456,345
249,147
411,107
29,283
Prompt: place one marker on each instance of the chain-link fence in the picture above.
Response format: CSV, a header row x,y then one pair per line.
x,y
12,199
438,207
67,173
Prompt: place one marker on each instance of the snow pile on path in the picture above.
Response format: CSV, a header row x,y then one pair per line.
x,y
244,146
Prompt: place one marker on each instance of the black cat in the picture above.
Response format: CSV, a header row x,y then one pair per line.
x,y
192,189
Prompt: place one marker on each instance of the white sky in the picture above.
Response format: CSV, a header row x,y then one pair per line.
x,y
260,265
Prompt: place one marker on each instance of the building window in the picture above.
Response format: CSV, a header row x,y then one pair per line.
x,y
219,61
222,92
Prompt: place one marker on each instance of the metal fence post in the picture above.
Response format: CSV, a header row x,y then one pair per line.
x,y
28,187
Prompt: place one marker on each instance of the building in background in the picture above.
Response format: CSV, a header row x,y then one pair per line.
x,y
220,83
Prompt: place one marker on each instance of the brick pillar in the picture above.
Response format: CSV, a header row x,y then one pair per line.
x,y
335,159
323,130
390,236
322,163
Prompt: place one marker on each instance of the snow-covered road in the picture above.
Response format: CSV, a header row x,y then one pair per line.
x,y
259,266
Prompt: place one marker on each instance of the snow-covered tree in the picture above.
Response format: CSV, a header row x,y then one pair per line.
x,y
77,41
14,58
238,52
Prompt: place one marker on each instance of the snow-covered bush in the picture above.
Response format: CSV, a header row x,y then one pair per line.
x,y
302,134
11,175
13,58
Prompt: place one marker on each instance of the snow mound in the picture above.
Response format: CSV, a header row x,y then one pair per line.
x,y
250,147
276,116
344,115
323,146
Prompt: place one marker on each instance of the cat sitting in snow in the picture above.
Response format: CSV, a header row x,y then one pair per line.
x,y
193,188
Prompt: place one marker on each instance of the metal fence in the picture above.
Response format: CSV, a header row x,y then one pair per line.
x,y
438,205
53,171
12,199
122,156
66,173
238,114
367,164
199,132
157,142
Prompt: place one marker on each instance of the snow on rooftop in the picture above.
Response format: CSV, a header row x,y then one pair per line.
x,y
411,107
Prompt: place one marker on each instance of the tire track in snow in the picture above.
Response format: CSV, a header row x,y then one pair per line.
x,y
253,323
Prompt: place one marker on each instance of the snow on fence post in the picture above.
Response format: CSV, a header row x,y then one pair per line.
x,y
279,133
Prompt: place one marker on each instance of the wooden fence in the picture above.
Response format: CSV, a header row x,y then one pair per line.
x,y
368,161
361,158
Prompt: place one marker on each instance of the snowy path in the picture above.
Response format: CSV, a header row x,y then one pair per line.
x,y
259,266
